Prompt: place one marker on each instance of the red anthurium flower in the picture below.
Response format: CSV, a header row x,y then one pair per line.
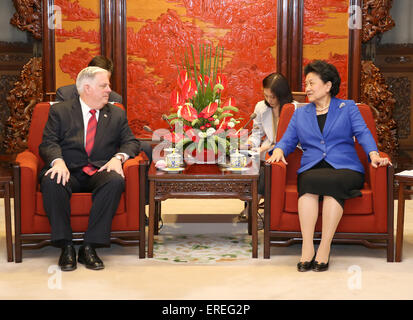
x,y
189,113
205,80
176,98
182,78
221,79
229,103
174,137
224,123
191,134
210,109
189,89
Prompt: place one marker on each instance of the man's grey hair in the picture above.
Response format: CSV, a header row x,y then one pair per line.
x,y
86,76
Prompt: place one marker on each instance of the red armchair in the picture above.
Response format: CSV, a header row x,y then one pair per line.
x,y
32,228
367,220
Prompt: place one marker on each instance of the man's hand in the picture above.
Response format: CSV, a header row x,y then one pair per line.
x,y
113,164
59,168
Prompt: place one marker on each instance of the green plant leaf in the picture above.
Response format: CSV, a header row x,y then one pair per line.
x,y
235,109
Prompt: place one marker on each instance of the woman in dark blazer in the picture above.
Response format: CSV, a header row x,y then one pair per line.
x,y
330,167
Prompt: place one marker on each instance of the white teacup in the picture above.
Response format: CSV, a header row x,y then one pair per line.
x,y
238,160
173,160
167,151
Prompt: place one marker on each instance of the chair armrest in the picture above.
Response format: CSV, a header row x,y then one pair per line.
x,y
278,183
378,184
376,175
28,163
133,177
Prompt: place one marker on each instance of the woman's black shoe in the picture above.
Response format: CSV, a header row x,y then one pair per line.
x,y
320,267
305,266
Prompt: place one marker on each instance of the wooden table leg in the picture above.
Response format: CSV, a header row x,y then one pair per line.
x,y
7,214
254,224
157,217
151,227
400,223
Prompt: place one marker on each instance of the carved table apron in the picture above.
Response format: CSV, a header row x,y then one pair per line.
x,y
203,181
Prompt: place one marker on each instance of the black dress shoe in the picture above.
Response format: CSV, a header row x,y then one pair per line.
x,y
67,260
306,265
320,267
89,257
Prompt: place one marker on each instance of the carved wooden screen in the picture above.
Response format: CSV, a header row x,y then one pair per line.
x,y
158,34
77,37
326,35
146,39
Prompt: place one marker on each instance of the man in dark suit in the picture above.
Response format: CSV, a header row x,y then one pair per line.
x,y
85,141
70,92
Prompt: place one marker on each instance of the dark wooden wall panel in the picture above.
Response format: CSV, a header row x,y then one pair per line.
x,y
49,68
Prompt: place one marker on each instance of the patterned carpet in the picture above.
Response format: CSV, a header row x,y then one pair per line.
x,y
202,248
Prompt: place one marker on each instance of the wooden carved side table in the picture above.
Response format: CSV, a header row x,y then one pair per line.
x,y
203,182
6,178
404,182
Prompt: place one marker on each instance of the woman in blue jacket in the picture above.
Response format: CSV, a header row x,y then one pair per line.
x,y
330,167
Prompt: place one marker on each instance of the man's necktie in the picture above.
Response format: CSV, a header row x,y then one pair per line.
x,y
90,140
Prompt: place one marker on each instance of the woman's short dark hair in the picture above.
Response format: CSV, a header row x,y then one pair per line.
x,y
279,87
327,72
102,62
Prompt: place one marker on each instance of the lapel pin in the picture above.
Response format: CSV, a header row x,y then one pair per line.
x,y
341,105
105,115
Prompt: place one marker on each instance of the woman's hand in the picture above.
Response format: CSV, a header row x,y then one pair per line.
x,y
277,155
377,161
265,148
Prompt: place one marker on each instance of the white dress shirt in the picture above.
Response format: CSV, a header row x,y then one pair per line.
x,y
86,116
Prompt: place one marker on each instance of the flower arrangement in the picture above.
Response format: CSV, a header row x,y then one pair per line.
x,y
202,123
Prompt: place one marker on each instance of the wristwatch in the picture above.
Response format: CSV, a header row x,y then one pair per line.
x,y
119,157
